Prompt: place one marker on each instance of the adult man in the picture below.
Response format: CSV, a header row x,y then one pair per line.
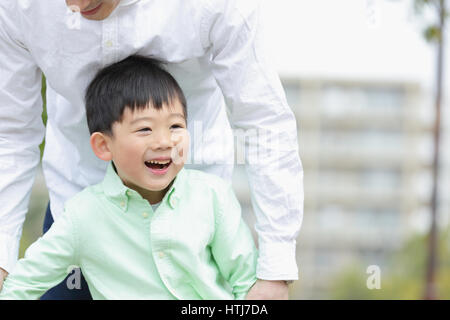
x,y
213,50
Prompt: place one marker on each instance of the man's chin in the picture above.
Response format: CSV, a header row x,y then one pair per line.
x,y
97,17
103,13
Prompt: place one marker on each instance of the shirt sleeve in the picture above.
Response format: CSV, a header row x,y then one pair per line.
x,y
232,246
21,132
258,111
46,263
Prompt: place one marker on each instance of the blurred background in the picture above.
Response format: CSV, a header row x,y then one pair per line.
x,y
361,78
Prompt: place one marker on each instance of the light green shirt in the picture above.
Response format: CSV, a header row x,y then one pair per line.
x,y
194,246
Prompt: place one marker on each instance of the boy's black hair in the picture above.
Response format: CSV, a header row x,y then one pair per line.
x,y
136,83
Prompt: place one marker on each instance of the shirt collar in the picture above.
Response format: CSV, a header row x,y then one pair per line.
x,y
120,194
123,3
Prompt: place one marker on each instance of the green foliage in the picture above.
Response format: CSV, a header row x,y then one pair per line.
x,y
351,285
403,277
421,5
431,33
44,112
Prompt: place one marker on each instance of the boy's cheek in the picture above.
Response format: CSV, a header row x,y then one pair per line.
x,y
180,150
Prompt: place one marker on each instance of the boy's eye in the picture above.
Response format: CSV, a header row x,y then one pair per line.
x,y
176,126
144,129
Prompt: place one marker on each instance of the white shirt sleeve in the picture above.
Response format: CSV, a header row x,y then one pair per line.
x,y
257,109
21,132
46,263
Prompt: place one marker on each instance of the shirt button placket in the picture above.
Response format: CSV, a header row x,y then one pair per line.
x,y
173,201
110,39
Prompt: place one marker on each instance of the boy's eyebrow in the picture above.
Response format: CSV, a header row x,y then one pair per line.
x,y
178,115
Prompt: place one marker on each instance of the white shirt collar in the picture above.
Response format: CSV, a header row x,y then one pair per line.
x,y
126,2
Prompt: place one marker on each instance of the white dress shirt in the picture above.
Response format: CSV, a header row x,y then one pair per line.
x,y
212,48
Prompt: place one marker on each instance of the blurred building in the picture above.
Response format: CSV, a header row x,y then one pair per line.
x,y
366,148
361,149
360,81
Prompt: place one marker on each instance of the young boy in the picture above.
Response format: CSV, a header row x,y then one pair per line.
x,y
151,229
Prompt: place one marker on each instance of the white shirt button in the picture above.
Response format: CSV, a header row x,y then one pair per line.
x,y
108,43
161,254
122,204
145,215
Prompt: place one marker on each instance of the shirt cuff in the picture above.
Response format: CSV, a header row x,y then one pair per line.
x,y
276,261
9,251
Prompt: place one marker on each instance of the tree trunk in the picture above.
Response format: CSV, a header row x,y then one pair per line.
x,y
430,291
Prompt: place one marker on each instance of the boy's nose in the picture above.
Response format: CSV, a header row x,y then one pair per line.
x,y
82,4
162,141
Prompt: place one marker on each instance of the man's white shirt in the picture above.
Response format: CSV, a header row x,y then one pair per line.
x,y
212,48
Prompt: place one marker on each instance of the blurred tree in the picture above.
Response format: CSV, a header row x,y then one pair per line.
x,y
401,278
44,112
350,284
435,34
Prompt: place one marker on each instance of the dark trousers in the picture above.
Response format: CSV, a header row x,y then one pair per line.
x,y
61,291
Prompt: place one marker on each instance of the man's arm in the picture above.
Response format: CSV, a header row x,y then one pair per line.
x,y
256,104
21,132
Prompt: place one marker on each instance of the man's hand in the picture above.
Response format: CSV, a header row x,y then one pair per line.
x,y
3,275
268,290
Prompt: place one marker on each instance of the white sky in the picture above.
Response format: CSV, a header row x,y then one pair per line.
x,y
339,39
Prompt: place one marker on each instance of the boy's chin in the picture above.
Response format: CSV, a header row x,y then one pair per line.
x,y
155,187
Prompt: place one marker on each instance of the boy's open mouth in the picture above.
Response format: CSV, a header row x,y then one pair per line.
x,y
158,165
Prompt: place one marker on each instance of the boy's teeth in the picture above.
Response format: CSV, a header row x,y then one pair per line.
x,y
159,162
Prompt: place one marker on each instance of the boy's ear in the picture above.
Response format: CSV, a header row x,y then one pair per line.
x,y
99,144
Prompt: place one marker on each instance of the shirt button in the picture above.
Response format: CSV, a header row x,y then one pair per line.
x,y
122,204
109,43
145,215
173,202
161,254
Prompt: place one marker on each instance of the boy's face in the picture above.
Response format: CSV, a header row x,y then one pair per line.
x,y
149,147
